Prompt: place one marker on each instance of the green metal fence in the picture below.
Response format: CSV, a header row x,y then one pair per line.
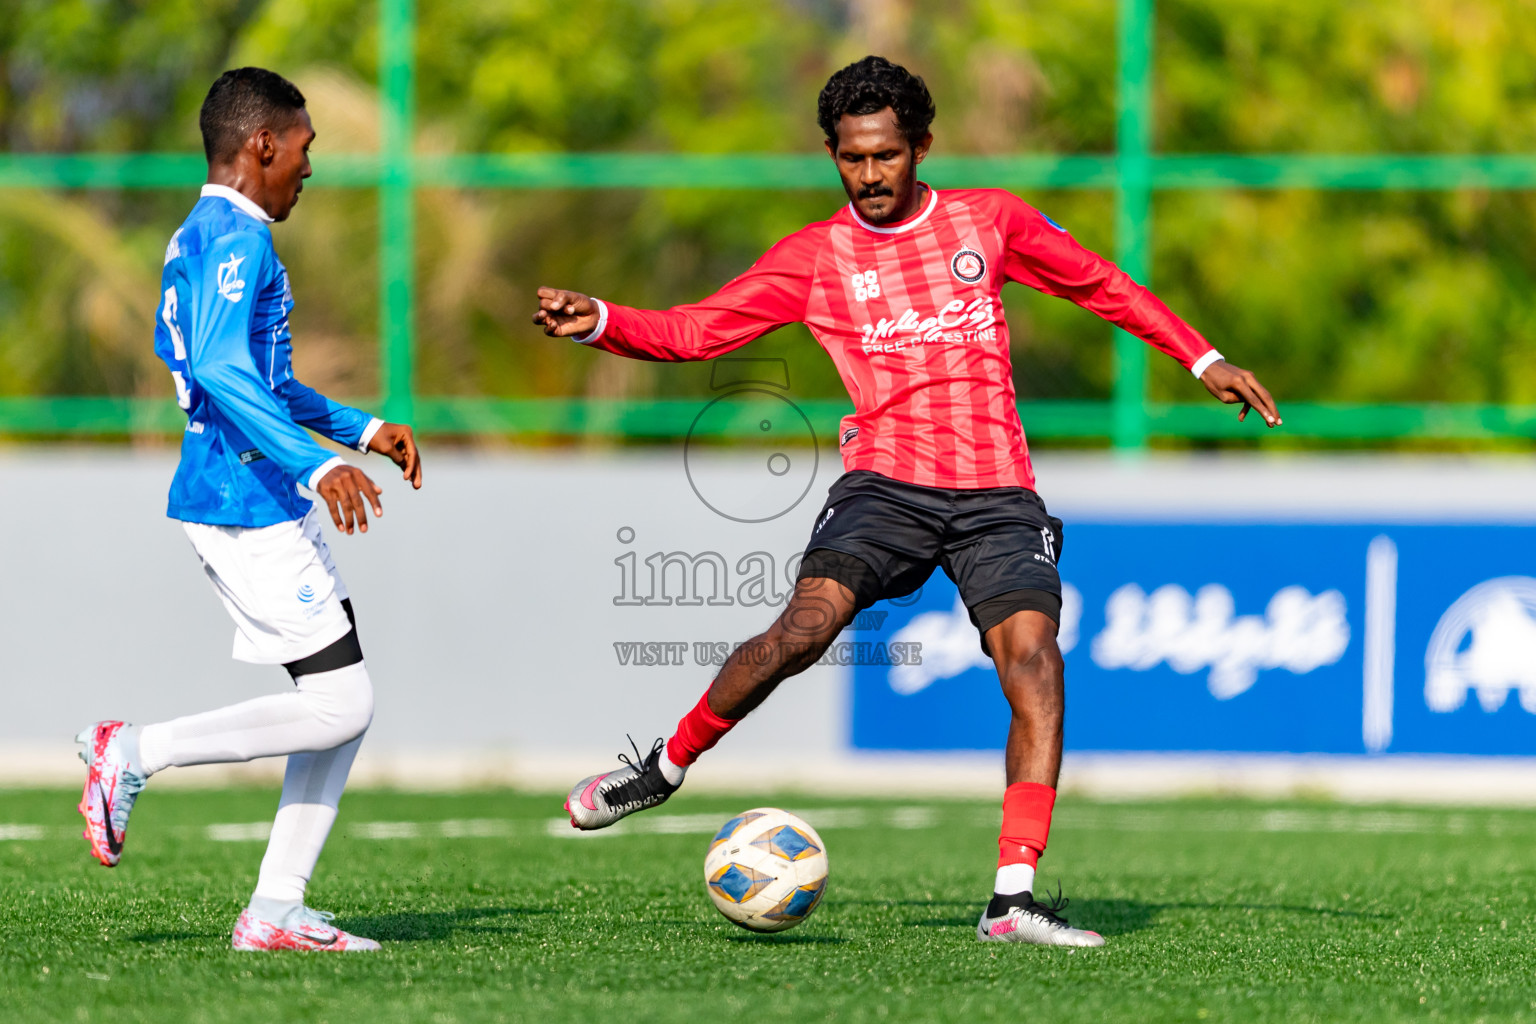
x,y
1133,173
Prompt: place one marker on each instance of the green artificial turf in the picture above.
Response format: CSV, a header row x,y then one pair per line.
x,y
1213,911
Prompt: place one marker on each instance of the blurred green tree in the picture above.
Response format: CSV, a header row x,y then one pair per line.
x,y
1334,295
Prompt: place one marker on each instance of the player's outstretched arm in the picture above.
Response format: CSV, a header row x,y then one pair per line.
x,y
397,442
1233,384
769,294
565,313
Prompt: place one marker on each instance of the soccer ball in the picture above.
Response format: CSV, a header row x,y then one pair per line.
x,y
766,869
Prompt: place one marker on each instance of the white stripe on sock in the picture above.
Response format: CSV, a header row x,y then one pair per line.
x,y
1013,879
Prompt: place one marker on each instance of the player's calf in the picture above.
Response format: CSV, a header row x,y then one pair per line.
x,y
818,611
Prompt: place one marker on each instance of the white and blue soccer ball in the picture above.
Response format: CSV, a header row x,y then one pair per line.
x,y
766,869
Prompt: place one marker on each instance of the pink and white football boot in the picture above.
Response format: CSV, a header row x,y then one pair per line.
x,y
598,801
303,928
111,787
1027,920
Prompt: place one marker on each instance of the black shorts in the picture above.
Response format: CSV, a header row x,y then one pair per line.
x,y
882,538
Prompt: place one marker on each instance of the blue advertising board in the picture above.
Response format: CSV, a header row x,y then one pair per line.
x,y
1335,639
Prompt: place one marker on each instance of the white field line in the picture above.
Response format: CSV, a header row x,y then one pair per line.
x,y
708,824
1089,818
1352,822
25,832
240,832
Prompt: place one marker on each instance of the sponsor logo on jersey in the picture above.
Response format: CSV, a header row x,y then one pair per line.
x,y
230,284
824,520
848,435
250,455
956,322
866,285
306,593
968,265
173,250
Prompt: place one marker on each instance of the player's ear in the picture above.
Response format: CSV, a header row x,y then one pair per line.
x,y
265,145
831,151
920,150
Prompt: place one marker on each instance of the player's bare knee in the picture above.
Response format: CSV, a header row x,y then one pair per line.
x,y
1032,672
813,617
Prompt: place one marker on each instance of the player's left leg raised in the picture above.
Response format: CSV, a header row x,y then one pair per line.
x,y
817,611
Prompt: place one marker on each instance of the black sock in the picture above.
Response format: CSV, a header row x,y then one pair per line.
x,y
1001,903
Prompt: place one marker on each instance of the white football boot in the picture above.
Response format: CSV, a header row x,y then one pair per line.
x,y
302,929
1035,923
600,800
111,787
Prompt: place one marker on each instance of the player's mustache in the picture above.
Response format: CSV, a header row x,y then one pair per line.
x,y
871,191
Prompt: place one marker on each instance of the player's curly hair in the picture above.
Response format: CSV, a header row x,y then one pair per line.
x,y
870,85
244,101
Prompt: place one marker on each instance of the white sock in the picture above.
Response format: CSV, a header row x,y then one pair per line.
x,y
1013,879
673,773
312,788
325,710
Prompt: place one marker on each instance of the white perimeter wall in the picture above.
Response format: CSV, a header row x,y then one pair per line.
x,y
486,606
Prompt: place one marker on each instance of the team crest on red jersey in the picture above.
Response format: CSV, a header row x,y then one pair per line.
x,y
968,265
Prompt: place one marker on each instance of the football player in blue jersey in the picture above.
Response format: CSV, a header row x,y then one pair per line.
x,y
222,328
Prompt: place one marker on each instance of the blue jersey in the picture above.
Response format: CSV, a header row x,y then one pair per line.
x,y
222,328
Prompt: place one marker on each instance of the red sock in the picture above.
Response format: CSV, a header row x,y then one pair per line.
x,y
1026,823
697,731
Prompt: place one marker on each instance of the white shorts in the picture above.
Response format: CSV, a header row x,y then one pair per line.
x,y
279,585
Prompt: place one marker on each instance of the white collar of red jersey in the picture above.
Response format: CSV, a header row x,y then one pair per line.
x,y
907,225
241,202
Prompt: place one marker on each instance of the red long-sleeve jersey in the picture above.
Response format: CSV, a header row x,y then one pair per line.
x,y
910,313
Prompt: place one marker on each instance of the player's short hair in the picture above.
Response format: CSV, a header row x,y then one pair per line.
x,y
870,85
242,102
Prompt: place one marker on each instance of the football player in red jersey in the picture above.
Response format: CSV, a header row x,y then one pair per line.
x,y
901,287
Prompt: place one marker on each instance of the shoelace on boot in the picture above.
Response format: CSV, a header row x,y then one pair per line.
x,y
646,785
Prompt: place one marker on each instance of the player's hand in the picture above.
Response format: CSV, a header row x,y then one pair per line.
x,y
396,442
1233,384
348,492
562,313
